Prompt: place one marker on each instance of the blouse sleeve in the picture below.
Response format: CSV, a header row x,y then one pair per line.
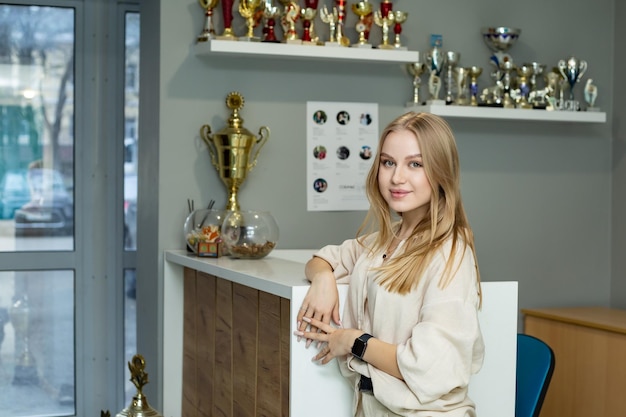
x,y
341,258
445,346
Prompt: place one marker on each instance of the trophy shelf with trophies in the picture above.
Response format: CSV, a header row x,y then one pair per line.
x,y
471,112
294,51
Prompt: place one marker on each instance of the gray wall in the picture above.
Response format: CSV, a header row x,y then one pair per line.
x,y
540,195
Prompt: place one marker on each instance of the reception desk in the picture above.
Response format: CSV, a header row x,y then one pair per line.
x,y
589,345
229,348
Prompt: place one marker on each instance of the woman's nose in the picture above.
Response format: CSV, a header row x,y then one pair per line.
x,y
398,176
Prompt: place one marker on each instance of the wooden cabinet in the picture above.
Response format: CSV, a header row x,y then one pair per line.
x,y
590,351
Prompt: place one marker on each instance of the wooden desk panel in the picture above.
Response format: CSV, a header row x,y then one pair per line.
x,y
236,349
590,351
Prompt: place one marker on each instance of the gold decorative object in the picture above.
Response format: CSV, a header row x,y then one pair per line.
x,y
364,10
307,15
416,69
208,32
291,15
399,17
139,406
248,10
384,18
234,150
330,18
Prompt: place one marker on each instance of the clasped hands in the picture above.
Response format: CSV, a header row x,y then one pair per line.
x,y
333,341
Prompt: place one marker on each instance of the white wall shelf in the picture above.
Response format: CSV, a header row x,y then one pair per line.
x,y
471,112
290,51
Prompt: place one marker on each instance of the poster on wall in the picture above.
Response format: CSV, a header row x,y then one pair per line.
x,y
341,144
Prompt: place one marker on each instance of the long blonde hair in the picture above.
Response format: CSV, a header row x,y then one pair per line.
x,y
445,219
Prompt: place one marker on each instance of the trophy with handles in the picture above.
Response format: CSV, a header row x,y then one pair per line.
x,y
384,18
572,70
248,10
234,149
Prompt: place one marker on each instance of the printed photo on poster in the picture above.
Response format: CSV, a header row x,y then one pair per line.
x,y
341,140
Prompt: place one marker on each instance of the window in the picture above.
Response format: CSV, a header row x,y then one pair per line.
x,y
67,218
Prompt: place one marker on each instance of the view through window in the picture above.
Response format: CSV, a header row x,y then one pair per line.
x,y
45,356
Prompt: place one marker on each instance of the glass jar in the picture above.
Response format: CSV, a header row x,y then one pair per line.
x,y
203,225
249,234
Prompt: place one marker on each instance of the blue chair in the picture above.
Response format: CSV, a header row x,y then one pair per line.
x,y
535,365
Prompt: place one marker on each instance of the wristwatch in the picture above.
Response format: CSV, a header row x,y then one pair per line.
x,y
360,344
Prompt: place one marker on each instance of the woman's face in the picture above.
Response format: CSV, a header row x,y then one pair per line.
x,y
401,176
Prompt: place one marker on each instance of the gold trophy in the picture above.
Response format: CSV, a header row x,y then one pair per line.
x,y
248,10
208,32
384,18
139,406
330,18
308,14
364,10
291,15
416,69
399,17
234,150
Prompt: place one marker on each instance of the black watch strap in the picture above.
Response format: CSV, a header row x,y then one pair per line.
x,y
360,344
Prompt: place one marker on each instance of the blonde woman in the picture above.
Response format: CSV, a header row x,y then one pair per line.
x,y
410,338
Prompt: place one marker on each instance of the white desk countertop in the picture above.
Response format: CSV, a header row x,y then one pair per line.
x,y
276,274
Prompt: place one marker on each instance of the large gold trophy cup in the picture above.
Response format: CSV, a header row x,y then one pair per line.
x,y
234,150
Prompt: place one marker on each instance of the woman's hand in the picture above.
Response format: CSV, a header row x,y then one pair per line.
x,y
322,298
335,342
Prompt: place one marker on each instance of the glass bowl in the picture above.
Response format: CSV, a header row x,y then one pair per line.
x,y
249,234
203,225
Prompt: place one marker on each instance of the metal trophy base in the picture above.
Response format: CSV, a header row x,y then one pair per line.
x,y
327,43
400,48
363,45
311,43
226,38
414,104
25,375
249,39
293,41
593,109
205,37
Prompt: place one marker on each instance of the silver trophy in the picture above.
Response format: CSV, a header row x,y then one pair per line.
x,y
572,70
436,63
452,59
499,40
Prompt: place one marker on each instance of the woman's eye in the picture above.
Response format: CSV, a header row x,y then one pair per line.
x,y
415,164
387,163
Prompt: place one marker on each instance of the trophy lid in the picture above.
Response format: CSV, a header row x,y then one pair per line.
x,y
235,102
139,406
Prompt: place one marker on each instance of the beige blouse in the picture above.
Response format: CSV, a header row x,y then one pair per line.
x,y
438,337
